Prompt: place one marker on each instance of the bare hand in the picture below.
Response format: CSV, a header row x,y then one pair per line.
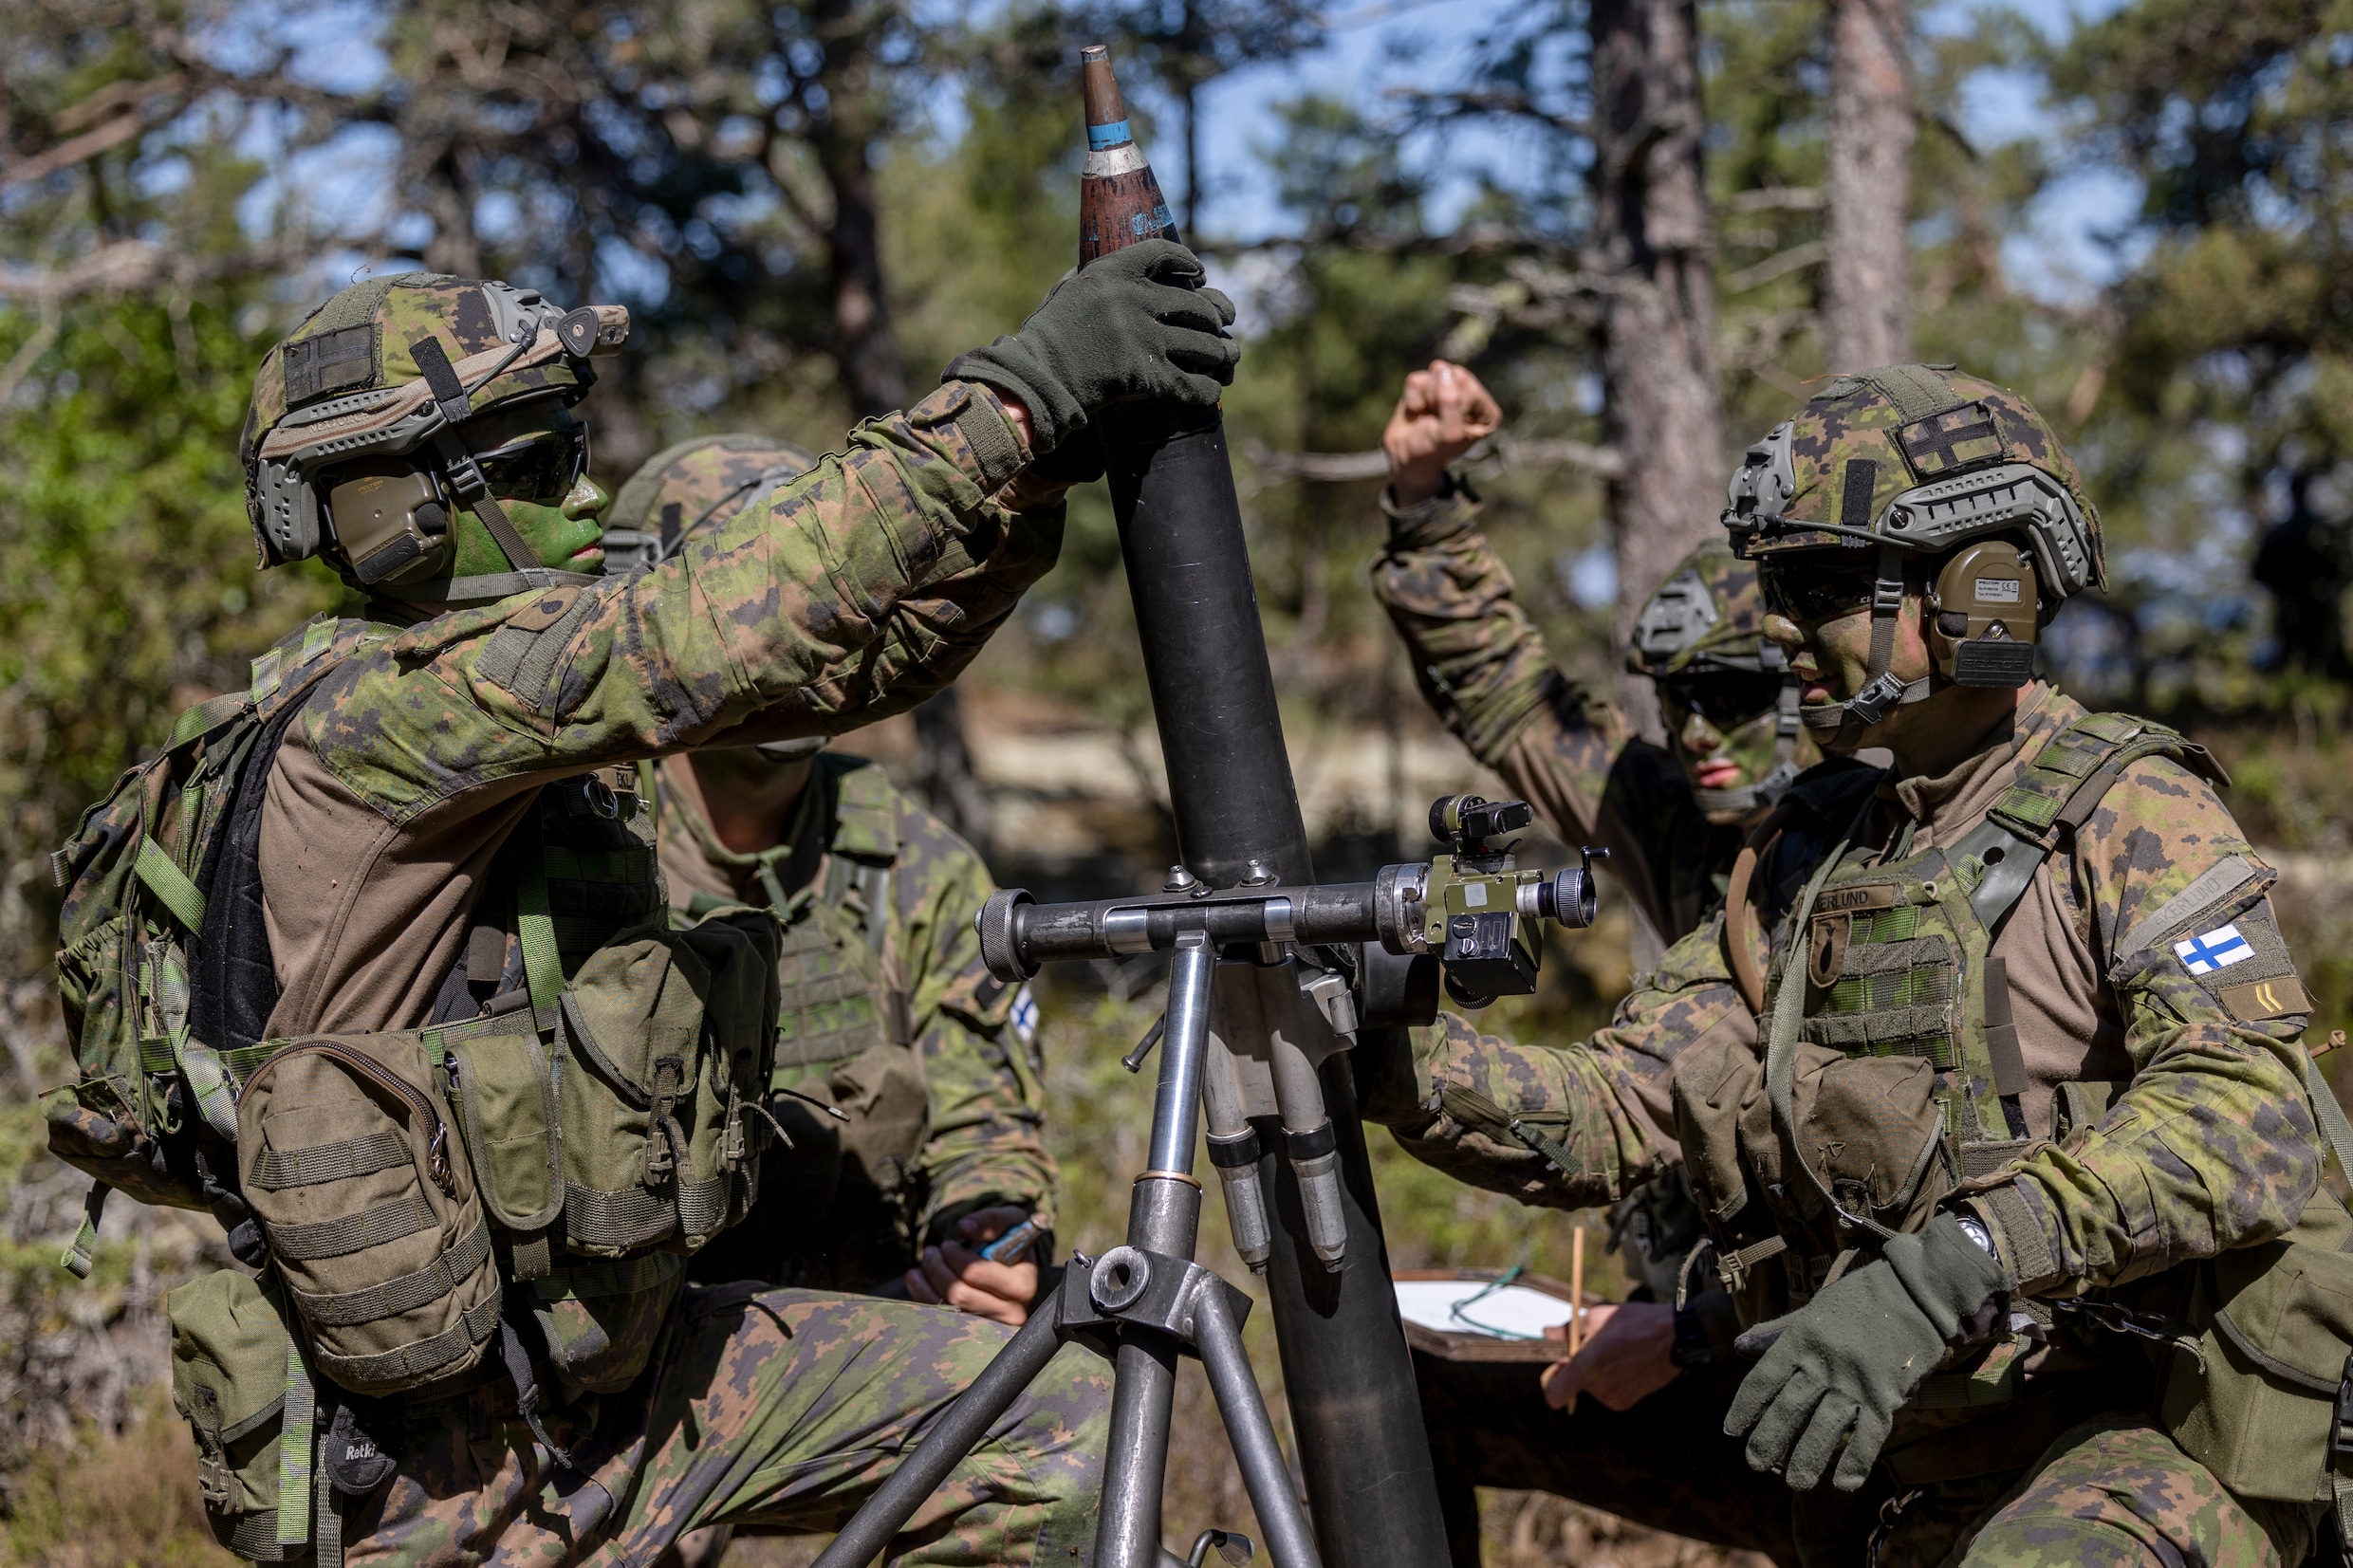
x,y
956,1275
1627,1355
1442,412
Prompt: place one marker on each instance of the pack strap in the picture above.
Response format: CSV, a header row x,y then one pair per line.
x,y
527,1392
163,979
170,885
535,924
297,1444
207,716
80,1251
2329,1115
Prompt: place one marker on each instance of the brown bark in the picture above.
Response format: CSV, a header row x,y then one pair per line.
x,y
1656,238
865,348
1867,307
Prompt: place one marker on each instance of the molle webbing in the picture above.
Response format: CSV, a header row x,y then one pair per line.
x,y
1918,392
637,1216
447,1271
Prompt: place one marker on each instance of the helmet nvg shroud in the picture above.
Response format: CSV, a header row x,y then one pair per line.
x,y
1705,628
1911,460
373,391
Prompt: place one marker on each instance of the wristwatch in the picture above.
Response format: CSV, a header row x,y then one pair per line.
x,y
1974,1229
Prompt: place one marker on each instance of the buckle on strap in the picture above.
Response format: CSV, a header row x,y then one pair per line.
x,y
1871,704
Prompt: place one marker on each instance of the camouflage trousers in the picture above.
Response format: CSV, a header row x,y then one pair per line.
x,y
2112,1491
781,1410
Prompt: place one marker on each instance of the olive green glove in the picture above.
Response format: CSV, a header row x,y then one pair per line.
x,y
1844,1361
1133,327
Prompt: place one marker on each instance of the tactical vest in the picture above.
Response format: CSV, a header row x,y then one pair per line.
x,y
581,1112
1891,1074
848,1198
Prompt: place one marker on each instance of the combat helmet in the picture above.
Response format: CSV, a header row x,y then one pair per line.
x,y
377,385
690,487
1705,627
1909,461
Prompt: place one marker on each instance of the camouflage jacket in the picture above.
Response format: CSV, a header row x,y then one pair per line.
x,y
2208,1143
890,1017
1483,668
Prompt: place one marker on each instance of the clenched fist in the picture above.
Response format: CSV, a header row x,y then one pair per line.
x,y
1442,412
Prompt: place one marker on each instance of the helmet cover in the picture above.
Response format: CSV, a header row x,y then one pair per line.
x,y
693,486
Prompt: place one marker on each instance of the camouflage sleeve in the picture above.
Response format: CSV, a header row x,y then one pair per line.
x,y
856,590
2212,1145
1576,1126
1483,668
988,1144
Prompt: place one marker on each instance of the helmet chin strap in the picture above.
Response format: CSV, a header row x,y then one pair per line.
x,y
1839,726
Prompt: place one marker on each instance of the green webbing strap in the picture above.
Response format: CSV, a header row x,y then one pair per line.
x,y
1788,1023
207,716
543,961
2331,1117
297,1444
328,1534
77,1257
1535,1139
170,885
207,1074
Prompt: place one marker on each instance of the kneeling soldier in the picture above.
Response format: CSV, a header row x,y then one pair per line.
x,y
1988,1080
375,961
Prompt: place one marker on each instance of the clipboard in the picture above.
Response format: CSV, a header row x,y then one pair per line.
x,y
1521,1304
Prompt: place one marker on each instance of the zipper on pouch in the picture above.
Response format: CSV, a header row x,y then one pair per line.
x,y
437,1153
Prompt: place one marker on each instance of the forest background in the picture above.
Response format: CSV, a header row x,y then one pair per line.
x,y
1650,225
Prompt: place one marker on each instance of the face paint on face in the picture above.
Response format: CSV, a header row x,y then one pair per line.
x,y
567,529
1713,758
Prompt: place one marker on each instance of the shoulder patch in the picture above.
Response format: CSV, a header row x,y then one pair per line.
x,y
2260,999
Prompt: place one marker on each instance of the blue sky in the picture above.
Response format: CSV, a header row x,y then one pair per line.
x,y
1379,45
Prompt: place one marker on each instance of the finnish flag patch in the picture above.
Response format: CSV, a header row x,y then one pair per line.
x,y
1023,1016
2216,950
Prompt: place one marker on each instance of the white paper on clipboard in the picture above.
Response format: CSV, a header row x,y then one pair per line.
x,y
1514,1309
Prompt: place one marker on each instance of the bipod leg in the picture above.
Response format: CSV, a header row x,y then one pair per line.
x,y
1268,1478
1164,1217
959,1431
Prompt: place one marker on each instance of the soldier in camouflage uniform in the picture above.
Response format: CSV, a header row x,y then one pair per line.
x,y
1991,1087
888,1015
439,809
1673,819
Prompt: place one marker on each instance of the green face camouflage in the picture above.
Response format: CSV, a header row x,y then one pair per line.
x,y
391,369
696,485
1912,461
1701,637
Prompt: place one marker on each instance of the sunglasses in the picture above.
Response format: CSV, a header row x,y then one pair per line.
x,y
1816,594
543,466
1726,699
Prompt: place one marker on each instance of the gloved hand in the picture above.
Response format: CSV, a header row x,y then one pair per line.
x,y
1848,1359
1134,325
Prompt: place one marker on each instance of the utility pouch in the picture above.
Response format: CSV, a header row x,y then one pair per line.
x,y
668,1035
497,1074
230,1349
600,1319
367,1199
1870,1129
2266,1403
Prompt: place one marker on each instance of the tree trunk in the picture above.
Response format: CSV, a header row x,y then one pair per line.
x,y
1866,306
1657,236
865,349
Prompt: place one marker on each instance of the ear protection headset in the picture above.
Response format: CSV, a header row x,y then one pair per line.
x,y
1985,616
391,520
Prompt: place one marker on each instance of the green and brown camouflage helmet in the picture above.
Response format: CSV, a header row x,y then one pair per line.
x,y
394,366
1709,616
1925,459
692,487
